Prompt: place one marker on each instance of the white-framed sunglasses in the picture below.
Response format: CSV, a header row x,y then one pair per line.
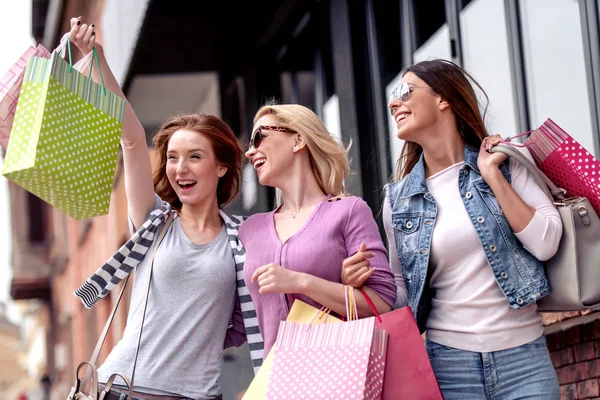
x,y
402,93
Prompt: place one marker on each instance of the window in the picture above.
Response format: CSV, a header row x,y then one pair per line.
x,y
486,58
554,65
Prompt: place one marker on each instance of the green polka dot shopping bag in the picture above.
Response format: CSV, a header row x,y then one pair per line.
x,y
65,136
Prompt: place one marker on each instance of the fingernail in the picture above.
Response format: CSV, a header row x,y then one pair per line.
x,y
372,254
79,17
78,22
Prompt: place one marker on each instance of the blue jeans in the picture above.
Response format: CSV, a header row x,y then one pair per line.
x,y
524,372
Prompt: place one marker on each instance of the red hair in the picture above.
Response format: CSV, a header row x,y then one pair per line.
x,y
225,145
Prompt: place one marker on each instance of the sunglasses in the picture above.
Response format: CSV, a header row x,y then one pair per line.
x,y
258,136
402,93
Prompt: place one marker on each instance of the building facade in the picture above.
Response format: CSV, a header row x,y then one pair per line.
x,y
536,59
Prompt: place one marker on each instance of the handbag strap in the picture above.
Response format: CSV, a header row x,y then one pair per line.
x,y
551,190
160,238
104,333
111,381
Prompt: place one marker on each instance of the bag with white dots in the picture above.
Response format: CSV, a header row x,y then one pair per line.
x,y
64,141
570,177
329,361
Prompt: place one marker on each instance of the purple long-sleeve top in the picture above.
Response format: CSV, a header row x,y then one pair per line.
x,y
332,233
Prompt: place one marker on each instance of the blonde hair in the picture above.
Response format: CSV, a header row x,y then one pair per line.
x,y
328,157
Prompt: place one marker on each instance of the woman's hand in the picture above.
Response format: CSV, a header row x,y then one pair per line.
x,y
487,162
273,278
356,268
82,35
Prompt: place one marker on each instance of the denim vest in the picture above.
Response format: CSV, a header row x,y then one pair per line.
x,y
519,274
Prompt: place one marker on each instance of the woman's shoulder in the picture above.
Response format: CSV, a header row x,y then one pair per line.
x,y
255,220
344,200
347,205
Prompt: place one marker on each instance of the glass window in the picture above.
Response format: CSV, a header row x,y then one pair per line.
x,y
486,58
555,68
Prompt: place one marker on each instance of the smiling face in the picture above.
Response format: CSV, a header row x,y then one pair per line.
x,y
419,110
274,153
192,168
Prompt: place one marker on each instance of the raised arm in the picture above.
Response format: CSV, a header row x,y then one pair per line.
x,y
139,187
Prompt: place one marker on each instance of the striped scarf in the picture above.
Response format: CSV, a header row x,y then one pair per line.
x,y
107,277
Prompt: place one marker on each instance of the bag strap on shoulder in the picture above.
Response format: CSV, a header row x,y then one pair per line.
x,y
104,333
551,190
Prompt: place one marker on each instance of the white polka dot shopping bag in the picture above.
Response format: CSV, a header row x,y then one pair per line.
x,y
567,163
570,177
329,361
65,137
300,312
10,87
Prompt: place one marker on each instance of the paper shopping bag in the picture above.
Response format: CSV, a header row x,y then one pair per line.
x,y
300,312
408,372
566,162
330,362
65,138
10,87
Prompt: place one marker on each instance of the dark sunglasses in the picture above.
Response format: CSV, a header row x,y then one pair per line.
x,y
257,136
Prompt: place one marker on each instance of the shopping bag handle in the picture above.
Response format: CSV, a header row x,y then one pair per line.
x,y
95,57
552,191
65,41
370,302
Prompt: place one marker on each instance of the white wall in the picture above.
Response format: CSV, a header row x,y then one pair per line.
x,y
121,22
331,116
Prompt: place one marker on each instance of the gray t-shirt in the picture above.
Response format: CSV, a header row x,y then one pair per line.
x,y
190,303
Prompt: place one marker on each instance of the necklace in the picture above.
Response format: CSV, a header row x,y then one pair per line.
x,y
294,213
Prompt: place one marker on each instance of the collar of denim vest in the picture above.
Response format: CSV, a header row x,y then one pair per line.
x,y
416,179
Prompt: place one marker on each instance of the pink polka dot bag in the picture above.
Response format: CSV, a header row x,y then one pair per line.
x,y
570,176
328,361
567,163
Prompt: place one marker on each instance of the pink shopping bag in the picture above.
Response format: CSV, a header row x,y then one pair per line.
x,y
566,162
329,361
408,372
10,87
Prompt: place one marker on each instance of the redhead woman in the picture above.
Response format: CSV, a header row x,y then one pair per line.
x,y
193,288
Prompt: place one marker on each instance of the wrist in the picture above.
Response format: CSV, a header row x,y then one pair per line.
x,y
303,283
491,174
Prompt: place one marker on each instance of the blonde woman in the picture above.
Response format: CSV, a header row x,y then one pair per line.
x,y
298,249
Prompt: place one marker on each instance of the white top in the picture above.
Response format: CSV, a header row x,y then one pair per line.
x,y
469,311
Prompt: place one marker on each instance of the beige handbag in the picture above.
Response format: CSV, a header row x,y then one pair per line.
x,y
78,391
574,271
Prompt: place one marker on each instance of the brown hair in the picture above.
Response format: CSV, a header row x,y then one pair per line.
x,y
451,82
225,146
